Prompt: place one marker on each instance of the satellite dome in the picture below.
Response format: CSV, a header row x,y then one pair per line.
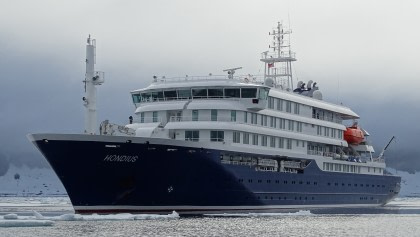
x,y
269,82
317,95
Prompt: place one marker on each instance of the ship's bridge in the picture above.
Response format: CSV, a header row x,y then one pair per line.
x,y
253,95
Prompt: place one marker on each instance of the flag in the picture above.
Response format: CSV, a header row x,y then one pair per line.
x,y
270,65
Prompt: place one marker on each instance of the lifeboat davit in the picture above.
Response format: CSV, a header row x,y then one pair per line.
x,y
354,135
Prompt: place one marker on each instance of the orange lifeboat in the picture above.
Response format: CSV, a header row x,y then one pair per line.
x,y
354,135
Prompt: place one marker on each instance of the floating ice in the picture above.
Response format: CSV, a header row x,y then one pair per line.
x,y
10,216
111,217
25,223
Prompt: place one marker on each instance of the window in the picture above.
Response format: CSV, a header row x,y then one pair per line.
x,y
193,135
282,123
291,125
270,102
279,104
195,115
255,139
264,120
299,126
326,131
264,141
289,143
263,93
281,142
288,106
253,118
246,138
217,136
232,93
246,117
233,115
136,98
272,142
155,116
236,137
318,130
273,122
297,108
184,94
199,93
170,95
214,115
297,143
261,119
249,92
142,117
215,93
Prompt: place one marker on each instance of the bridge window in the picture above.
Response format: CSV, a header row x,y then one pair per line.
x,y
184,94
232,93
136,98
199,93
170,95
249,92
215,93
263,93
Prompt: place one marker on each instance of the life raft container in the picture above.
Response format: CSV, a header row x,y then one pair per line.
x,y
354,135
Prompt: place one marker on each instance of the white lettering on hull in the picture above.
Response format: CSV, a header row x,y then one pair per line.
x,y
120,158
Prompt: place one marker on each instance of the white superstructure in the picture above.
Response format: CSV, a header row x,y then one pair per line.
x,y
251,114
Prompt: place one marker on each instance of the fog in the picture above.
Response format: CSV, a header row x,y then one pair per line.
x,y
362,54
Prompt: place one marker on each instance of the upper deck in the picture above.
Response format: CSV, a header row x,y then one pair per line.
x,y
221,87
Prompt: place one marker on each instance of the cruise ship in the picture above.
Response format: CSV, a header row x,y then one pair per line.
x,y
221,144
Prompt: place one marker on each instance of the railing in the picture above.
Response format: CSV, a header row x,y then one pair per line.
x,y
200,119
243,78
147,120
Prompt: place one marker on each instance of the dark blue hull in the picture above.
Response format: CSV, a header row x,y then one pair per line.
x,y
116,176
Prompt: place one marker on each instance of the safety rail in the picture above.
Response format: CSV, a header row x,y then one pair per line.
x,y
243,78
200,119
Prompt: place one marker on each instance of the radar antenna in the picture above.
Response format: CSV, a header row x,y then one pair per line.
x,y
231,71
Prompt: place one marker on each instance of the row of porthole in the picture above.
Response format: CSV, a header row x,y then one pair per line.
x,y
284,198
278,181
314,183
355,185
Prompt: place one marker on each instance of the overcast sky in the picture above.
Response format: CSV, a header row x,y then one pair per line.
x,y
363,54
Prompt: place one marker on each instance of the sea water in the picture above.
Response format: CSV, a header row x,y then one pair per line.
x,y
54,216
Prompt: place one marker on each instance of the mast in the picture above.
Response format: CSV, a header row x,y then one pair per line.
x,y
278,63
92,79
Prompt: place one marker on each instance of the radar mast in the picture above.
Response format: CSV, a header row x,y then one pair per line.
x,y
278,62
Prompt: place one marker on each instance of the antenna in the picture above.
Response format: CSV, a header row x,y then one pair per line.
x,y
278,62
231,71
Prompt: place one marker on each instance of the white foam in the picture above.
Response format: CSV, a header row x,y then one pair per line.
x,y
25,223
111,217
299,213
